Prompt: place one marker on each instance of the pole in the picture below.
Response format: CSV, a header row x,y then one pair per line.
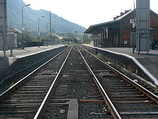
x,y
4,27
22,29
39,30
133,4
38,34
11,51
50,25
22,42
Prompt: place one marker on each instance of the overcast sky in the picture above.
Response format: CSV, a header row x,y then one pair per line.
x,y
87,12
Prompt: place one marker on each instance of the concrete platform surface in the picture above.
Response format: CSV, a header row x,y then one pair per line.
x,y
148,62
27,51
129,51
19,53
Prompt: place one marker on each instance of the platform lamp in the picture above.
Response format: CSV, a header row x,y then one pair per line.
x,y
22,42
133,4
39,29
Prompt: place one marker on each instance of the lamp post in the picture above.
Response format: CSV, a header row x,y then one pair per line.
x,y
53,34
133,4
39,30
50,21
22,42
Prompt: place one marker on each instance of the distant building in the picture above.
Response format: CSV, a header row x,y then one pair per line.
x,y
12,37
117,33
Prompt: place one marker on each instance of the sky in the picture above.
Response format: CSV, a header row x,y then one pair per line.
x,y
87,12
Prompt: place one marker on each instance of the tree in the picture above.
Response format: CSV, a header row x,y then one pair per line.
x,y
85,39
26,36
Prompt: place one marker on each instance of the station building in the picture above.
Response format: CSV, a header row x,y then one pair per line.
x,y
117,33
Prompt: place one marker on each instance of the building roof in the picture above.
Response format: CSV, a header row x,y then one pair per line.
x,y
97,28
14,30
110,24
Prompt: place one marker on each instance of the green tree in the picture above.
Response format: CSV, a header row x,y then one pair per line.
x,y
85,39
26,36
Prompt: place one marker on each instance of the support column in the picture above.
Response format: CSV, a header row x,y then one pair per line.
x,y
143,25
3,25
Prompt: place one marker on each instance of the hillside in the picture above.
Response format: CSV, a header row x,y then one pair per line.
x,y
59,24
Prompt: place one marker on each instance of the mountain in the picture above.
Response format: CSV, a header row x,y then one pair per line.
x,y
30,17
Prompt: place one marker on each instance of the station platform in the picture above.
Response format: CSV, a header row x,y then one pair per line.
x,y
19,53
27,51
147,61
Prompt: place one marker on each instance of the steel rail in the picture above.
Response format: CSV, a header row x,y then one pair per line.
x,y
16,85
3,80
107,100
43,105
149,94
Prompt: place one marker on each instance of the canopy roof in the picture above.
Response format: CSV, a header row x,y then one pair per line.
x,y
14,30
110,24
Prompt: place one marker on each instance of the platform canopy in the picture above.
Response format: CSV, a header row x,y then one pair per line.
x,y
14,30
97,28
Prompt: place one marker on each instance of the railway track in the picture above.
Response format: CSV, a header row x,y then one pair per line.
x,y
130,99
75,95
13,75
22,99
79,87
